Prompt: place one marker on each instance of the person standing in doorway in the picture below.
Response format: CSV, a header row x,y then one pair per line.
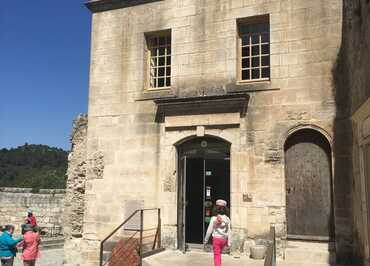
x,y
220,229
30,246
8,246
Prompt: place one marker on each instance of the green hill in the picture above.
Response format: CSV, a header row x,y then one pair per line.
x,y
33,166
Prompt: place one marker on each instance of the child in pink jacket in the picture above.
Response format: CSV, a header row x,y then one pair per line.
x,y
30,246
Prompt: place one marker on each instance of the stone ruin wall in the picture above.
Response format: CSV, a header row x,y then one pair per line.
x,y
47,205
75,191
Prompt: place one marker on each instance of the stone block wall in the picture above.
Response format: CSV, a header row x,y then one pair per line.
x,y
47,205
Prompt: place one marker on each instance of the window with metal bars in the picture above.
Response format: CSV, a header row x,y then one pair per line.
x,y
254,49
159,60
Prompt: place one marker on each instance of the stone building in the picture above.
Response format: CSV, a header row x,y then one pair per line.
x,y
352,82
194,100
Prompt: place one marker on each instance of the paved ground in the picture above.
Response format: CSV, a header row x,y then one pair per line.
x,y
51,257
196,258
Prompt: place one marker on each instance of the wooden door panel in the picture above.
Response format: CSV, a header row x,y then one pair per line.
x,y
308,185
367,181
181,205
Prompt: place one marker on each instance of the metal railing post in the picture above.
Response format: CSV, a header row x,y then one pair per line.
x,y
159,229
101,254
141,251
273,246
141,236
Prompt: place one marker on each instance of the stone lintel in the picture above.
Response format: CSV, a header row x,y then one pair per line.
x,y
206,120
202,105
105,5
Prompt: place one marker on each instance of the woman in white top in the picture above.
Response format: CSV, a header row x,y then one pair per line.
x,y
220,229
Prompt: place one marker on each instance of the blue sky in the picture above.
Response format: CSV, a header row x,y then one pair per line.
x,y
44,68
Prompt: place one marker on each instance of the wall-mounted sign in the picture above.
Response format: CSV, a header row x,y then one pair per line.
x,y
208,192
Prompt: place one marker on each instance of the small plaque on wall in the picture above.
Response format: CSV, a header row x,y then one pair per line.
x,y
247,197
130,206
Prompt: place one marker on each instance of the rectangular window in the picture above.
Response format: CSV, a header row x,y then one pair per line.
x,y
159,60
254,49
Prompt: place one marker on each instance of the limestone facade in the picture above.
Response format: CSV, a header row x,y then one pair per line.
x,y
139,155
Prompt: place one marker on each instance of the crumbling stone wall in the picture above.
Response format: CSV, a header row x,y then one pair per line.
x,y
47,205
352,76
75,195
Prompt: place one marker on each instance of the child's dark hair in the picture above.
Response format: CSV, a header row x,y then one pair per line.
x,y
220,210
8,227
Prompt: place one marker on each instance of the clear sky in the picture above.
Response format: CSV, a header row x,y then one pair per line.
x,y
44,68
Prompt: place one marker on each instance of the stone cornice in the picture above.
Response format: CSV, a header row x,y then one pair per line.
x,y
104,5
234,103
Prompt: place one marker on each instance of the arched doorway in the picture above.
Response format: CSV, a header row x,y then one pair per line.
x,y
308,186
203,177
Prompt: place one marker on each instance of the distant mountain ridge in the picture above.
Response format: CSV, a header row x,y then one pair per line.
x,y
33,166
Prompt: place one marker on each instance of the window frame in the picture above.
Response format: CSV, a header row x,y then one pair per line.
x,y
262,19
148,57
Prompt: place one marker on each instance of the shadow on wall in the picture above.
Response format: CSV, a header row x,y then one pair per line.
x,y
350,76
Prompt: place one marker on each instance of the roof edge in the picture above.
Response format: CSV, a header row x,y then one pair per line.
x,y
104,5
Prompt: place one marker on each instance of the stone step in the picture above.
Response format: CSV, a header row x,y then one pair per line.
x,y
107,255
53,243
311,245
109,245
51,240
309,253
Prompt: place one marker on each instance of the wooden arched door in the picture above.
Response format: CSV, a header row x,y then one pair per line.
x,y
308,186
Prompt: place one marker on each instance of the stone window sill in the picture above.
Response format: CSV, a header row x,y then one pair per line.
x,y
249,87
156,94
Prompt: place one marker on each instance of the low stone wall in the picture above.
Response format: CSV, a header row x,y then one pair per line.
x,y
47,205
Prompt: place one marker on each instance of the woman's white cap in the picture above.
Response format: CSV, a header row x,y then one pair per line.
x,y
221,202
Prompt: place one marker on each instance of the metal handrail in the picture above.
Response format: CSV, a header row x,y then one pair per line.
x,y
270,259
141,230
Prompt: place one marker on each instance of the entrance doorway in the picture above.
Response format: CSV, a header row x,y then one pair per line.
x,y
204,177
308,186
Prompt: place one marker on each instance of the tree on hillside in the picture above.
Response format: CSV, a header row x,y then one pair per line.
x,y
33,166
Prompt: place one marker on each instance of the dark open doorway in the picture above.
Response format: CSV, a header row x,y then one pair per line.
x,y
204,177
